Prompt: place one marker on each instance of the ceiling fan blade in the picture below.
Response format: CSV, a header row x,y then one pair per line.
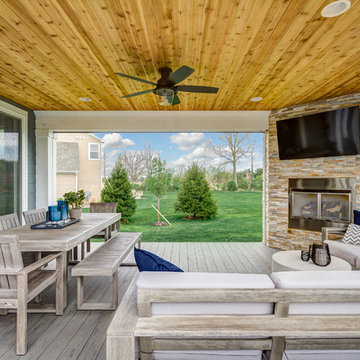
x,y
181,74
176,100
198,89
138,93
135,78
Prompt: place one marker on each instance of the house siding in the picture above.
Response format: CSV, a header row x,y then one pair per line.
x,y
89,175
31,152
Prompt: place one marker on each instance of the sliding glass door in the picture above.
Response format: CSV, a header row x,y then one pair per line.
x,y
10,164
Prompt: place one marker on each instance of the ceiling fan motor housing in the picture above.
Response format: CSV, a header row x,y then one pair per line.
x,y
165,86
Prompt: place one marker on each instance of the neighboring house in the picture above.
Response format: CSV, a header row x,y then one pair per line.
x,y
78,164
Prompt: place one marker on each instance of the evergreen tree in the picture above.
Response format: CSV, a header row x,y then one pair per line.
x,y
158,180
194,195
117,189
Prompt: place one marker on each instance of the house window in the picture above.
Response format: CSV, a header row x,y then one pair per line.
x,y
94,151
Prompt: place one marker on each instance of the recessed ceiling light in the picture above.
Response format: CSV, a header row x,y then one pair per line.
x,y
256,98
85,99
335,8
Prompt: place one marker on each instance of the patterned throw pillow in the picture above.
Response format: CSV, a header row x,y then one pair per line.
x,y
352,235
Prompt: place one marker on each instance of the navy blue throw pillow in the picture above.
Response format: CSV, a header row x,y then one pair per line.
x,y
147,261
357,217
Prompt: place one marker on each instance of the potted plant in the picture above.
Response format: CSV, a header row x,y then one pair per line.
x,y
76,201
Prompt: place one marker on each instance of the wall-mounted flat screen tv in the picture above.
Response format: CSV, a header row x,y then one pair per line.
x,y
331,133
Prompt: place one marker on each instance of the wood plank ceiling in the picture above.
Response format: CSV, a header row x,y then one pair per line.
x,y
54,51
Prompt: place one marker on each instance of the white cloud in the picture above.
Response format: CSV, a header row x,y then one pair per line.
x,y
116,140
201,155
205,157
187,141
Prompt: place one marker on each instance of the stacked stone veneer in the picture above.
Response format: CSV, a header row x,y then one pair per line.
x,y
277,234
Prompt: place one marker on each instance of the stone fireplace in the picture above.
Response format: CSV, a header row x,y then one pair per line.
x,y
298,201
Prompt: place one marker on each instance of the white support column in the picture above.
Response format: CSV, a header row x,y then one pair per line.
x,y
45,168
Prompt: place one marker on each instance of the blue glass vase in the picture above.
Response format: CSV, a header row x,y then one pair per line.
x,y
64,210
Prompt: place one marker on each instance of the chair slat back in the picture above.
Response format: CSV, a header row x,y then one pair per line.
x,y
10,259
109,207
8,222
34,216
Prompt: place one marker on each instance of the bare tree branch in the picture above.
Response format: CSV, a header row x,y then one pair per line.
x,y
134,163
137,163
236,146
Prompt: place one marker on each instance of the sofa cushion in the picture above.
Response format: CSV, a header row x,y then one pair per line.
x,y
208,355
352,235
147,261
319,280
322,354
347,252
196,280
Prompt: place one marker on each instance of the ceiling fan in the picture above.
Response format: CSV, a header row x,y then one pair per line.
x,y
167,88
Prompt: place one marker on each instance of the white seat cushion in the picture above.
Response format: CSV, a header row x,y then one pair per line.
x,y
208,355
347,252
319,280
322,354
194,280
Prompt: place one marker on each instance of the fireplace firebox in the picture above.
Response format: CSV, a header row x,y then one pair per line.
x,y
318,202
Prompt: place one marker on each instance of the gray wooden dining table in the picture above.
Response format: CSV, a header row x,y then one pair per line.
x,y
65,239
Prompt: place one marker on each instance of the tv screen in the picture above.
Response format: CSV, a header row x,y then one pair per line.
x,y
331,133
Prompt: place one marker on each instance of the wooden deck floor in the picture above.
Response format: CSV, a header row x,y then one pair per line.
x,y
81,334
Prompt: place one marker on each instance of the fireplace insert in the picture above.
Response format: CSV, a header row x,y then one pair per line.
x,y
318,202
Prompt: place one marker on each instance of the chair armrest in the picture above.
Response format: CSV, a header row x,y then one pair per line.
x,y
325,231
34,266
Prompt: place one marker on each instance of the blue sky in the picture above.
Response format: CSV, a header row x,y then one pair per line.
x,y
178,149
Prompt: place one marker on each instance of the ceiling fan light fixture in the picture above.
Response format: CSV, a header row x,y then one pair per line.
x,y
256,99
335,8
84,99
165,100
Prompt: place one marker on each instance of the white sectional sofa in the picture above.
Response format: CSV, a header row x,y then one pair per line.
x,y
171,315
348,252
321,280
215,281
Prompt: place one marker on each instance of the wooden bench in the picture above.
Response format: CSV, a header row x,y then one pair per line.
x,y
105,261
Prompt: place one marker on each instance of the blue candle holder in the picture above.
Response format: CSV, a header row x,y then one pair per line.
x,y
54,213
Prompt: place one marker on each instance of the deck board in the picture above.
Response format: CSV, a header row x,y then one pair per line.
x,y
81,334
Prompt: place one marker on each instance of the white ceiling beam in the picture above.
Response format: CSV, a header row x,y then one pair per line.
x,y
153,121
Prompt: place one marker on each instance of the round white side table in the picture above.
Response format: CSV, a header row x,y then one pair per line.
x,y
291,261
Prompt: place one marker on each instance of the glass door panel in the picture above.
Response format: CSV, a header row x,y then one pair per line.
x,y
304,204
10,164
335,207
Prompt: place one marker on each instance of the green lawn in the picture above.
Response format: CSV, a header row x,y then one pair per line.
x,y
239,219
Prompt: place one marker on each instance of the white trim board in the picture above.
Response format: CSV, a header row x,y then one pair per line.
x,y
153,121
23,116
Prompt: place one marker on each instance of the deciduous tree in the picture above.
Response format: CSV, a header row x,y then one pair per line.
x,y
235,146
158,180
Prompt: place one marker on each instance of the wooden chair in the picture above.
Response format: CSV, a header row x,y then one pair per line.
x,y
19,285
11,221
8,222
109,207
34,216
